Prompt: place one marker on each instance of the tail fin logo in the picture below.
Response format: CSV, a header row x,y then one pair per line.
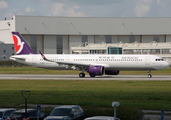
x,y
18,44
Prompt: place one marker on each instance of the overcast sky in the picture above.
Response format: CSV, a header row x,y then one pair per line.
x,y
85,8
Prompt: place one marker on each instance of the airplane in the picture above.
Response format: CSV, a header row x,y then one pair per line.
x,y
94,64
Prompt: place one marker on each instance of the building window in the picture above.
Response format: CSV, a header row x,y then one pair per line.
x,y
59,44
108,39
132,38
75,52
156,38
137,51
98,51
132,51
85,52
33,43
151,51
114,50
92,51
155,51
84,40
166,51
128,51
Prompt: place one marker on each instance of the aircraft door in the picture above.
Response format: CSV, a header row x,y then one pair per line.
x,y
67,59
147,60
34,60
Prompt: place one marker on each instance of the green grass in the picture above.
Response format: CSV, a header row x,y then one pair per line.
x,y
34,70
134,94
95,97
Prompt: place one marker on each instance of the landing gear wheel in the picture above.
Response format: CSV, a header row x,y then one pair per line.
x,y
149,75
81,75
92,75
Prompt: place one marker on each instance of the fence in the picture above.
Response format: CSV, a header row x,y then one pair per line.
x,y
11,64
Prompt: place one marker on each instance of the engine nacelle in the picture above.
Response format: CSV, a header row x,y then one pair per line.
x,y
112,72
96,70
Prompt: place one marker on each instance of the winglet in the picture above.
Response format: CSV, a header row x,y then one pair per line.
x,y
43,56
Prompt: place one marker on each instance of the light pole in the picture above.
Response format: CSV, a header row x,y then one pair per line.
x,y
115,104
25,97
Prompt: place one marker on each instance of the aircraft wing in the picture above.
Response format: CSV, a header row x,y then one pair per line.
x,y
66,63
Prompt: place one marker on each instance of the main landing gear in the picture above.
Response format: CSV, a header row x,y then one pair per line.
x,y
149,74
92,75
81,75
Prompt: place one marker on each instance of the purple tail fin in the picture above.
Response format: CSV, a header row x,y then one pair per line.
x,y
21,47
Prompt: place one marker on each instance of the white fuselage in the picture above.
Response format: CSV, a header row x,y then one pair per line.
x,y
110,62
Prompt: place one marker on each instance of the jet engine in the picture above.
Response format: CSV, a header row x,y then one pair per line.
x,y
112,72
96,70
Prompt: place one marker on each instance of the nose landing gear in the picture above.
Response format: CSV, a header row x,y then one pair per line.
x,y
149,74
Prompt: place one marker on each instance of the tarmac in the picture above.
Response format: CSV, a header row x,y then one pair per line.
x,y
87,77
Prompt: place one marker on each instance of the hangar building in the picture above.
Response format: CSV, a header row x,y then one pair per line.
x,y
57,35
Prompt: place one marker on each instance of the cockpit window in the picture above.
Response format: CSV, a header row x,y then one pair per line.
x,y
159,60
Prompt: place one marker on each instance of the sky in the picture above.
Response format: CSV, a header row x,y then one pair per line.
x,y
85,8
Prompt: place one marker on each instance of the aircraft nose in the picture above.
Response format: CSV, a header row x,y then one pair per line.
x,y
166,64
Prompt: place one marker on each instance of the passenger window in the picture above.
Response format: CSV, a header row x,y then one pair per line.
x,y
80,109
42,114
32,114
7,113
1,114
75,111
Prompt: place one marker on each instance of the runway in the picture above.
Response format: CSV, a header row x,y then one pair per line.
x,y
76,77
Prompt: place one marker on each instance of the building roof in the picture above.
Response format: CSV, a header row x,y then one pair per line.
x,y
92,25
66,106
5,109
